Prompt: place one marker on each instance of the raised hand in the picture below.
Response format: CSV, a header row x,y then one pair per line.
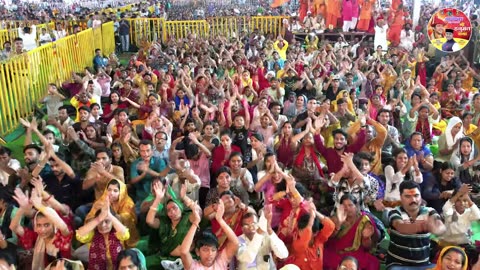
x,y
220,210
347,158
22,199
159,190
341,214
38,184
183,191
267,211
36,198
196,216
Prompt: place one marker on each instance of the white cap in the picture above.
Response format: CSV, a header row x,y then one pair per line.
x,y
271,73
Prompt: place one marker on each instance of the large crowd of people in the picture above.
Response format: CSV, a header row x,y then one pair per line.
x,y
253,152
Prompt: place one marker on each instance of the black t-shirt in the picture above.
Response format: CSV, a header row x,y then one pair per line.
x,y
240,139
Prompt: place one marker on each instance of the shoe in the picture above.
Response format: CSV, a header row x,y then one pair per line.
x,y
172,265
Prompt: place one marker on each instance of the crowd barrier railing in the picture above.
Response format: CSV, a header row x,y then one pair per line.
x,y
24,78
158,29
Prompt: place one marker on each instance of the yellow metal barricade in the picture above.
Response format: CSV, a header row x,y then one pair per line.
x,y
108,43
97,38
24,78
270,24
181,29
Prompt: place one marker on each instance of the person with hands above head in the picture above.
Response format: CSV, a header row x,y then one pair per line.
x,y
106,237
50,238
459,213
349,180
356,234
258,245
207,247
308,246
170,215
411,226
333,155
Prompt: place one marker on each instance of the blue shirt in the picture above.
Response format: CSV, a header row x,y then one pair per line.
x,y
143,188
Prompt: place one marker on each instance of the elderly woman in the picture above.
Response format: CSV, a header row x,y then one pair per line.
x,y
171,220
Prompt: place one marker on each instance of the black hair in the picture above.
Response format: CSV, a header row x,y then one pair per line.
x,y
408,185
273,104
223,169
5,150
303,222
63,107
93,105
106,150
349,196
465,114
84,108
383,110
32,146
114,182
129,253
248,215
145,142
225,132
206,238
339,131
447,165
191,150
235,154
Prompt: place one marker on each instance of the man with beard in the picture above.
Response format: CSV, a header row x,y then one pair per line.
x,y
35,165
61,182
407,37
333,155
411,226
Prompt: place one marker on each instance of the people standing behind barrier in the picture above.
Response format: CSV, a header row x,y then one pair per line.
x,y
124,32
59,32
45,37
29,36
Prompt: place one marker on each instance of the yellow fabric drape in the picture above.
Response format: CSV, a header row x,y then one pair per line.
x,y
124,209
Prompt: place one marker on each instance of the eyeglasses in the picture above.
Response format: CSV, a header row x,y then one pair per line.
x,y
160,139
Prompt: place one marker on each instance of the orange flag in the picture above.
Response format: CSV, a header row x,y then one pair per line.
x,y
278,3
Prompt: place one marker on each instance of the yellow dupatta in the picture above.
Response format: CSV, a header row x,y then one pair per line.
x,y
124,209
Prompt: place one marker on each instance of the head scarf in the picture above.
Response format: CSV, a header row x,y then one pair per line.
x,y
448,131
41,247
141,258
444,251
124,208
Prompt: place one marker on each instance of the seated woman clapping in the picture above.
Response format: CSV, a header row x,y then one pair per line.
x,y
121,205
106,236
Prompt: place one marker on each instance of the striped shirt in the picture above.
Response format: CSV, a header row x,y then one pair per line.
x,y
408,250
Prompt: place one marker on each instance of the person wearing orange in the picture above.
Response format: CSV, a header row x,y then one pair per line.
x,y
302,10
314,231
318,8
396,26
438,26
333,13
366,8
